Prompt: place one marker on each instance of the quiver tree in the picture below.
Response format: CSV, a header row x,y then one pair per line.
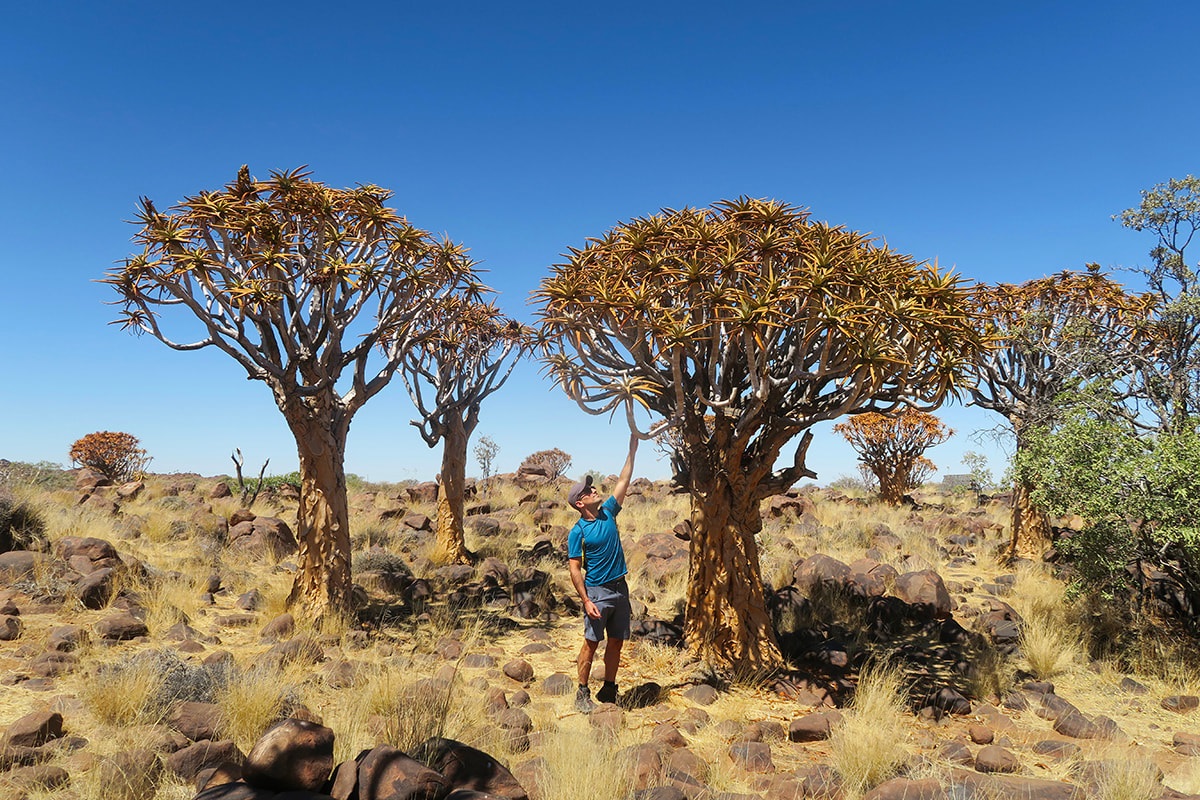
x,y
892,447
1170,377
1045,336
742,325
465,352
312,290
116,455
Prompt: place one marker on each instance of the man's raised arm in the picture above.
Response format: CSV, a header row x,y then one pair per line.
x,y
626,472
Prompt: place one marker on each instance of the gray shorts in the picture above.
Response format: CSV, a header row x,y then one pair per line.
x,y
612,599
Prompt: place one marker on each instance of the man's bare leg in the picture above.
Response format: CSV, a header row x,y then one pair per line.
x,y
584,662
612,659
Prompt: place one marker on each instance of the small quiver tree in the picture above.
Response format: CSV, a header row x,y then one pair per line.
x,y
464,352
1045,336
742,325
1170,377
892,447
115,455
301,284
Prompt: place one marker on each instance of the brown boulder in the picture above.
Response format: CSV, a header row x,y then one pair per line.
x,y
752,756
17,564
130,775
89,547
120,627
264,535
34,729
292,754
924,588
38,778
819,570
995,758
195,720
188,762
386,772
10,628
813,727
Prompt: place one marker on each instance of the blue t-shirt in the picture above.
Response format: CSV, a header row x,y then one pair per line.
x,y
598,543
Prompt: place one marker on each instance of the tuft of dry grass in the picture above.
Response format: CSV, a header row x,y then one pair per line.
x,y
869,746
124,694
390,707
1047,649
577,764
254,699
1128,779
1051,639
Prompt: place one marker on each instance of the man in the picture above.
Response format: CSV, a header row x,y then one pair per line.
x,y
597,565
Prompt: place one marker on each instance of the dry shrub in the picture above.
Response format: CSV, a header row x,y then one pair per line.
x,y
1128,779
125,693
869,746
1048,648
255,699
578,764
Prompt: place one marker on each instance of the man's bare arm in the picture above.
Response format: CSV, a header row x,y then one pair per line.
x,y
575,566
626,472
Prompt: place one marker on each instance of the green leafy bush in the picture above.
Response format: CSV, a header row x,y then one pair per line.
x,y
1139,496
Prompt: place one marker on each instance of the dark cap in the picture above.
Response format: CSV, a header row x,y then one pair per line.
x,y
579,490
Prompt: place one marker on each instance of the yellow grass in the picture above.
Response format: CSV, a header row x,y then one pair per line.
x,y
869,746
579,764
1126,778
124,694
254,699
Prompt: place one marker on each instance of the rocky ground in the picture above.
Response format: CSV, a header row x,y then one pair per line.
x,y
145,652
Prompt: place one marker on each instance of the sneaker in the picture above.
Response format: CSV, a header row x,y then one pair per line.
x,y
583,700
607,693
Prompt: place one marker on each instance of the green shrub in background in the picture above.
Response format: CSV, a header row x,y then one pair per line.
x,y
1139,496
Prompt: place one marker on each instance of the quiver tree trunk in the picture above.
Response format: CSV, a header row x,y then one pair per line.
x,y
323,585
1030,525
893,484
727,623
451,547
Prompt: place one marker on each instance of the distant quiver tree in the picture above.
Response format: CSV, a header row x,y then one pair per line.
x,y
314,291
1045,336
116,455
465,353
892,447
740,326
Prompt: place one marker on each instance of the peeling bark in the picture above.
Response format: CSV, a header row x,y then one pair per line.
x,y
727,623
322,588
1030,525
451,546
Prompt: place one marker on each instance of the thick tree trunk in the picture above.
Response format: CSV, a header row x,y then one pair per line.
x,y
1030,525
323,587
727,623
451,547
892,485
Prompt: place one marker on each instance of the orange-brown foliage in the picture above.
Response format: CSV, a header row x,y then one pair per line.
x,y
113,454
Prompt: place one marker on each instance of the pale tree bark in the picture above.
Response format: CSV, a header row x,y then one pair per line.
x,y
727,621
1030,524
322,588
451,546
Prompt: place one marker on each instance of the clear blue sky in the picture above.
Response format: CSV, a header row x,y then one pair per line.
x,y
996,138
